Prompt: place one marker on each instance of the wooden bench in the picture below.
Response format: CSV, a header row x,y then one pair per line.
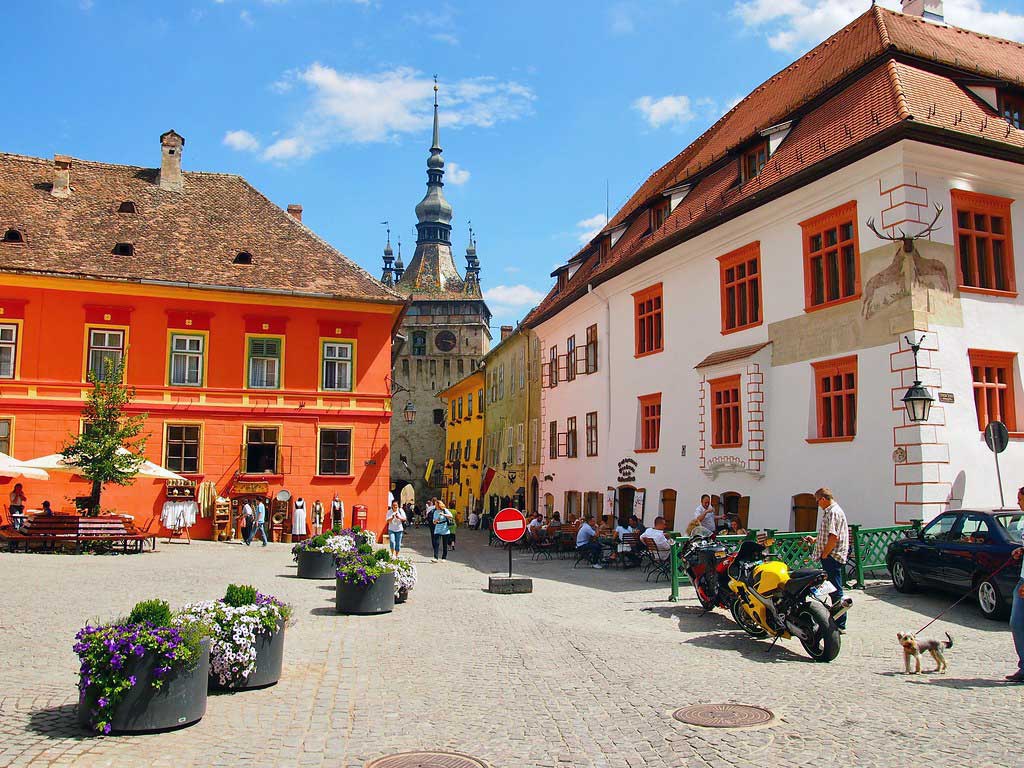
x,y
48,532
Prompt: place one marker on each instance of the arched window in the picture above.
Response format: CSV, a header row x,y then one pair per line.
x,y
124,249
244,257
127,207
13,236
419,343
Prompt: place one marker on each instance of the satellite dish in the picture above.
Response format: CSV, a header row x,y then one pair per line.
x,y
283,495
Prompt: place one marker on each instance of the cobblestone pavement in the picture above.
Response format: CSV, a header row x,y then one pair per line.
x,y
584,672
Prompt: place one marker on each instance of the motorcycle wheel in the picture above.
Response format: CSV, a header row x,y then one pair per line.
x,y
825,641
746,623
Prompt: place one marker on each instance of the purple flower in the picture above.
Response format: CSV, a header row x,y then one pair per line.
x,y
106,728
102,701
132,680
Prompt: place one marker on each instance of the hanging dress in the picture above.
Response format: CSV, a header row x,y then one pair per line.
x,y
299,518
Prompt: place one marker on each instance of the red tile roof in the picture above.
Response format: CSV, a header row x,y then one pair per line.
x,y
866,80
731,355
191,237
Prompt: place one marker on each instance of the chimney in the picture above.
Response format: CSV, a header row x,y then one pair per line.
x,y
929,10
61,176
506,331
171,145
295,211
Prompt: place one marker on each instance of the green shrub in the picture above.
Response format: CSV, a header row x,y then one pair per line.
x,y
239,595
364,549
156,612
382,555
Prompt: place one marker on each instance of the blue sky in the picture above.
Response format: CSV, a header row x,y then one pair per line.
x,y
326,103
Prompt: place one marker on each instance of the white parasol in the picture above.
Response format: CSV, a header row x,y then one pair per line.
x,y
11,467
55,463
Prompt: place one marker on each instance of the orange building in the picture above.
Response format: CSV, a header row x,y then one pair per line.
x,y
260,353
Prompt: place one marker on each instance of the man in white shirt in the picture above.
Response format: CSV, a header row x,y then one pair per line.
x,y
657,535
536,524
704,516
587,542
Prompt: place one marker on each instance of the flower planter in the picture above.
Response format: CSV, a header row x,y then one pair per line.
x,y
316,565
269,657
366,599
402,596
179,702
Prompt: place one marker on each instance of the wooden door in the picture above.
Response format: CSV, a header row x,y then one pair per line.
x,y
668,508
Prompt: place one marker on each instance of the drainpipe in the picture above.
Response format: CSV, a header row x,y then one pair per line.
x,y
608,379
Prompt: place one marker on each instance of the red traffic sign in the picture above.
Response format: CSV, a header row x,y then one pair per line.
x,y
509,525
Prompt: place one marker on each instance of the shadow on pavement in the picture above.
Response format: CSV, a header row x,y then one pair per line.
x,y
929,604
749,648
962,683
59,722
325,611
692,618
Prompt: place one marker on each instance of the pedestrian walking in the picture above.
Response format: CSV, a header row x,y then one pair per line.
x,y
248,522
261,521
396,518
832,544
1017,612
441,519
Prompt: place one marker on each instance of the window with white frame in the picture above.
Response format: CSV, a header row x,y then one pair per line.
x,y
8,350
510,447
264,363
337,366
520,444
187,360
106,349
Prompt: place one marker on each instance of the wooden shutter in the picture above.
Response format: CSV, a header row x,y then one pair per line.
x,y
580,363
545,375
563,367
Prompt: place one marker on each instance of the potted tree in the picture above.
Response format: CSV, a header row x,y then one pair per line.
x,y
247,637
365,582
144,673
316,557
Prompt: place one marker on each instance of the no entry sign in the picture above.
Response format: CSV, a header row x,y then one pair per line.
x,y
509,525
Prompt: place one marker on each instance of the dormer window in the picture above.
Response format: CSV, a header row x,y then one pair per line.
x,y
14,236
753,161
127,207
124,249
659,213
1011,107
244,257
562,280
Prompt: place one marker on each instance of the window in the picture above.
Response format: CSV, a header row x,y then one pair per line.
x,y
469,405
181,448
126,207
5,436
501,381
465,454
570,356
520,444
522,370
419,343
992,373
753,161
553,440
14,236
419,368
478,442
335,451
337,366
570,437
433,368
725,412
405,367
244,257
446,367
261,450
1011,107
512,377
592,433
835,384
124,249
591,349
553,366
8,351
984,246
460,406
650,422
659,213
460,367
647,312
534,441
439,415
106,348
940,529
831,257
187,360
740,273
264,363
480,402
562,280
510,447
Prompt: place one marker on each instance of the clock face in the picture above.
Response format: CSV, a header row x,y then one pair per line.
x,y
445,341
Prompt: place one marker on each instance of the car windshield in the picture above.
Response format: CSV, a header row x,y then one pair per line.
x,y
1013,523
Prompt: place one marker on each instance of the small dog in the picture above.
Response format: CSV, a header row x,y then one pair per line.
x,y
913,648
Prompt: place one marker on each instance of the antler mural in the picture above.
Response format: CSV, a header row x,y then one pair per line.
x,y
908,240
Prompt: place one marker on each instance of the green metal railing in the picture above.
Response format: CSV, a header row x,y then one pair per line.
x,y
868,548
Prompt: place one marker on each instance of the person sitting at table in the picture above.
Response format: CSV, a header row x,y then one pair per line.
x,y
537,523
47,512
555,522
657,535
735,529
587,542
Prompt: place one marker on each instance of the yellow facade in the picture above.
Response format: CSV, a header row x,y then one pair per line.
x,y
464,435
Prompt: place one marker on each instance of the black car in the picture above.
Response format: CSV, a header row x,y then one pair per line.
x,y
959,551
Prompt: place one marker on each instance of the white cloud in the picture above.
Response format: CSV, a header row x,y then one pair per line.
x,y
243,141
246,18
455,174
668,110
512,270
590,227
445,37
791,25
357,108
85,5
620,20
509,300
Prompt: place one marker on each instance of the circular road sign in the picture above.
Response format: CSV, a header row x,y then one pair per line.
x,y
997,436
509,525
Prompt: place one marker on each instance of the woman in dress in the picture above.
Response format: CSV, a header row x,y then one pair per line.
x,y
299,518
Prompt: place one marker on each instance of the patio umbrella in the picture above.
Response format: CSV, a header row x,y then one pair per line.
x,y
55,463
11,467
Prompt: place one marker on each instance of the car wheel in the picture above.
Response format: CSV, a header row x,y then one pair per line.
x,y
901,577
989,600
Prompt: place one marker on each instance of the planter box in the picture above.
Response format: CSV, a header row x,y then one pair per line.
x,y
316,565
269,657
366,599
179,702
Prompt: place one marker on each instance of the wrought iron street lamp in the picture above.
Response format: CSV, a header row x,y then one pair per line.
x,y
918,401
409,413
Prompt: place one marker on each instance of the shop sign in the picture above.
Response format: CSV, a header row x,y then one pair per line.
x,y
627,470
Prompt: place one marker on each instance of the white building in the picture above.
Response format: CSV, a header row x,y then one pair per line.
x,y
751,328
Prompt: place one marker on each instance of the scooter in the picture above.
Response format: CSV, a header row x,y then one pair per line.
x,y
773,601
707,564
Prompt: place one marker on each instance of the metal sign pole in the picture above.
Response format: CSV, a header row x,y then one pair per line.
x,y
510,561
997,437
999,479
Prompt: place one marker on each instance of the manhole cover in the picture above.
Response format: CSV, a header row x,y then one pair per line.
x,y
427,760
723,715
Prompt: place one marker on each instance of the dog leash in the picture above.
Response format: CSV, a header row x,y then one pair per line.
x,y
1009,560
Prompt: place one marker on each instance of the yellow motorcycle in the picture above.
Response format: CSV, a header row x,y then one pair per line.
x,y
772,601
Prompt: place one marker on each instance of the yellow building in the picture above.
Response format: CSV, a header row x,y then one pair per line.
x,y
464,436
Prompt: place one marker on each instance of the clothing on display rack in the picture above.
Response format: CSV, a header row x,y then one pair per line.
x,y
318,516
206,496
337,512
176,515
299,518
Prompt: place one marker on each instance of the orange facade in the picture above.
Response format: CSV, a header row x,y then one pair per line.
x,y
327,421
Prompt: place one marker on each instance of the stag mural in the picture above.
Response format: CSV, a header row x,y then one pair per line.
x,y
907,268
